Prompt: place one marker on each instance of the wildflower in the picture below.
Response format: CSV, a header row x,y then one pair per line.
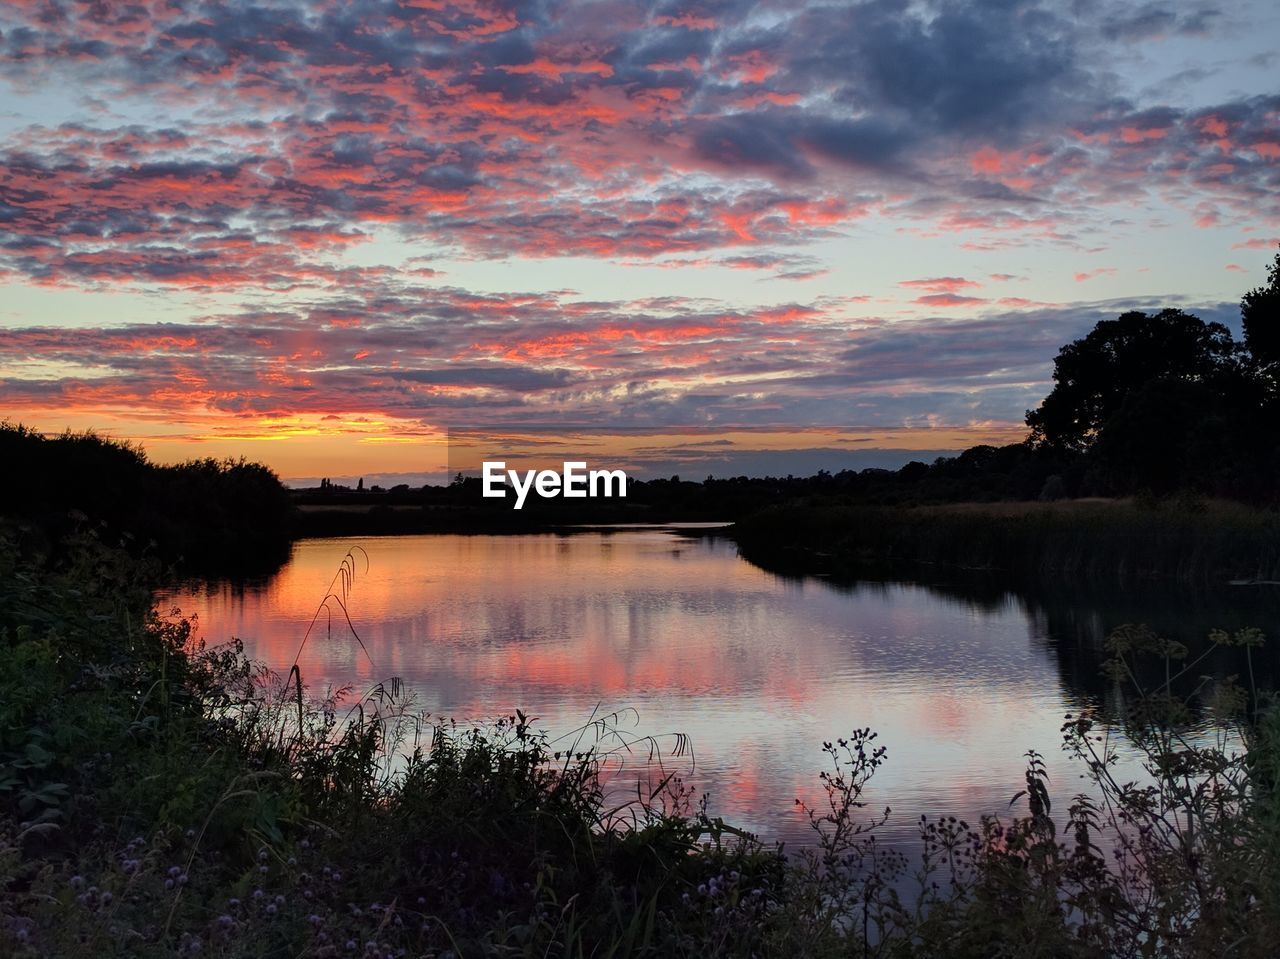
x,y
106,898
225,921
271,909
77,882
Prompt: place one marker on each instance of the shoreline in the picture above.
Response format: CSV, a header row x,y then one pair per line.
x,y
1122,541
1206,543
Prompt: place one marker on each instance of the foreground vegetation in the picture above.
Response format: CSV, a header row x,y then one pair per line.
x,y
160,799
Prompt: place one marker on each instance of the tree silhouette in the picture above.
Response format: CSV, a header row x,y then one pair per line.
x,y
225,515
1260,313
1093,375
1170,434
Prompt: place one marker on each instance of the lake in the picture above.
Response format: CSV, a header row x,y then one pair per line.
x,y
960,678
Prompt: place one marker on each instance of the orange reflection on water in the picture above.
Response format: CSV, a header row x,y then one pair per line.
x,y
757,670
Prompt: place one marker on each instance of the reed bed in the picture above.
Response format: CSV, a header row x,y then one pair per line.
x,y
1188,542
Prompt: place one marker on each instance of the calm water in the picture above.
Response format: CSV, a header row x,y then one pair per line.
x,y
758,670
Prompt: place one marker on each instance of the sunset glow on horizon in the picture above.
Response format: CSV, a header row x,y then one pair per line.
x,y
328,236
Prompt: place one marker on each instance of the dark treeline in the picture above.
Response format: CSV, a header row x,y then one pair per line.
x,y
202,516
461,507
1149,405
1156,406
982,474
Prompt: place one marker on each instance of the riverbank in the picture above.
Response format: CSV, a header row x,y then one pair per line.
x,y
236,519
1180,541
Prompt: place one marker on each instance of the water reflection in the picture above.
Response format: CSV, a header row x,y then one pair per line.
x,y
960,677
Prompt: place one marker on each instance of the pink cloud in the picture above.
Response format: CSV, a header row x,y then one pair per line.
x,y
941,284
1093,274
947,299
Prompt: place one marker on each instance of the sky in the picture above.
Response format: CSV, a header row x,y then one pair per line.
x,y
731,236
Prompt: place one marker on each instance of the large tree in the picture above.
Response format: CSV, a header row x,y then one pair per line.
x,y
1093,375
1170,434
1260,313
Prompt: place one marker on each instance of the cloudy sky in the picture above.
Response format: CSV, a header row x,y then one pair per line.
x,y
322,234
